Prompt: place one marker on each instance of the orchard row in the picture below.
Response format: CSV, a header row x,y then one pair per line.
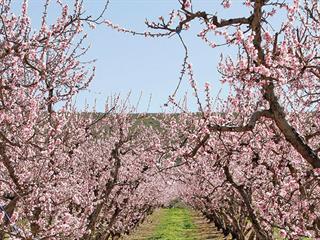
x,y
249,162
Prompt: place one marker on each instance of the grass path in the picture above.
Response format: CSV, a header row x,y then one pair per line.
x,y
175,224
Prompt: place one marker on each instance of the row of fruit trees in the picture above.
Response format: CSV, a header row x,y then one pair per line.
x,y
249,162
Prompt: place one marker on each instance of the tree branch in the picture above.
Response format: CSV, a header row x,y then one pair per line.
x,y
248,127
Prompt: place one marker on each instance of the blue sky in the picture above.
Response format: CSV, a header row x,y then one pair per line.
x,y
151,66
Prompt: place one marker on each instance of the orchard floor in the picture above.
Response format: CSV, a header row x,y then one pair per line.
x,y
175,224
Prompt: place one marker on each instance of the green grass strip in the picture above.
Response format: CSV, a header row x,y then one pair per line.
x,y
175,224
